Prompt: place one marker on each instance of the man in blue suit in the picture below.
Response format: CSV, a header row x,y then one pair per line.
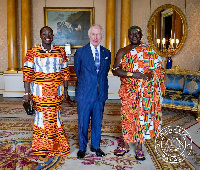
x,y
92,64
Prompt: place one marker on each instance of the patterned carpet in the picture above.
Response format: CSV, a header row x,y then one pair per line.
x,y
177,148
13,117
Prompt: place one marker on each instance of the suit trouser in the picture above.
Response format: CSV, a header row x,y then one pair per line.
x,y
87,110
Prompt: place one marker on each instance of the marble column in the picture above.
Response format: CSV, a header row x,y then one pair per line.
x,y
125,22
12,36
26,27
110,29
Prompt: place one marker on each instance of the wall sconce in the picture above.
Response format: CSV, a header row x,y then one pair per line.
x,y
158,42
172,43
171,51
163,42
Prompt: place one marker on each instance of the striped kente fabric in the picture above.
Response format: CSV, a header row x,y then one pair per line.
x,y
141,100
46,72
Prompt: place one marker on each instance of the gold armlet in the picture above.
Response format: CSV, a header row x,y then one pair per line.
x,y
129,74
115,68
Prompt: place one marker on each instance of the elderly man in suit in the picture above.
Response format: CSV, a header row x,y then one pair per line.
x,y
92,64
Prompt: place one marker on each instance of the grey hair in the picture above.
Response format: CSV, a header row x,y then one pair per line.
x,y
96,25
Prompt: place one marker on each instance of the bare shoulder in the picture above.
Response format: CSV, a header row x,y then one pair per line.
x,y
123,51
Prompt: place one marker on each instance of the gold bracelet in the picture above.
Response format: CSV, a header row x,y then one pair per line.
x,y
115,68
26,94
129,74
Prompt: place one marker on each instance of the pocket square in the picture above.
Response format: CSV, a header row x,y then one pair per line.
x,y
106,58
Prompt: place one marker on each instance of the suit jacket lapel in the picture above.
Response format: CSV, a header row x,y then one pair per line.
x,y
102,58
90,60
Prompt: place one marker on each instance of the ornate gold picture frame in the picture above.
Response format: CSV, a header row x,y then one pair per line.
x,y
70,25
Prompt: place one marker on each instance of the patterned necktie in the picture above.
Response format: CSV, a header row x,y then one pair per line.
x,y
97,61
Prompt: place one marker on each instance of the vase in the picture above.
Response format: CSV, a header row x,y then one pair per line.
x,y
169,63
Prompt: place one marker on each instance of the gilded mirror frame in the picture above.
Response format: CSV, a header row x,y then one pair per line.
x,y
151,22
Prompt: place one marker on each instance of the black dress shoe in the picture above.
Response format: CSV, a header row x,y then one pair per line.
x,y
98,152
80,154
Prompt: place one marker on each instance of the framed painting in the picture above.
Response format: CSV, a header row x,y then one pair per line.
x,y
70,25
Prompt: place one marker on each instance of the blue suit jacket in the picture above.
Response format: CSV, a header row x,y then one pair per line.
x,y
91,85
